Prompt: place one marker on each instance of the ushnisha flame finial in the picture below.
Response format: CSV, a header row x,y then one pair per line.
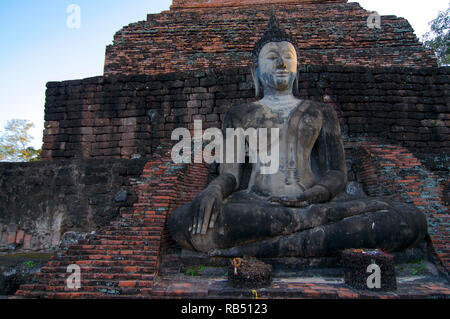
x,y
274,33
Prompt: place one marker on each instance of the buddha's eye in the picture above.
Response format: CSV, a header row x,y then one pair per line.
x,y
272,57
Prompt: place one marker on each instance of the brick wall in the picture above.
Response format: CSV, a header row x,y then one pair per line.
x,y
191,182
41,201
127,116
122,258
183,4
201,37
393,171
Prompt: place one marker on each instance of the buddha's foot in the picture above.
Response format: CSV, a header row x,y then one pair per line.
x,y
231,252
289,202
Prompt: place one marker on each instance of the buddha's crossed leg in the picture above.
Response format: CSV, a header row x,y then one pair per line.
x,y
263,229
397,228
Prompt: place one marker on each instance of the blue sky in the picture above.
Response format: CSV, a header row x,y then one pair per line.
x,y
36,46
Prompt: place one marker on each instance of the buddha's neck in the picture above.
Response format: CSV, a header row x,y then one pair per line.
x,y
280,99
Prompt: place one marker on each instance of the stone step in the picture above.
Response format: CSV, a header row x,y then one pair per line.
x,y
142,241
113,252
91,285
141,228
49,278
96,269
120,260
149,219
123,288
121,241
143,293
127,216
121,236
124,222
33,287
99,247
131,234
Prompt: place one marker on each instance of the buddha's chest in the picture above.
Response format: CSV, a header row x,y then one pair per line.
x,y
299,127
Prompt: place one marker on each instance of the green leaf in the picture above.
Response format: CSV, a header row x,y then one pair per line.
x,y
438,38
14,142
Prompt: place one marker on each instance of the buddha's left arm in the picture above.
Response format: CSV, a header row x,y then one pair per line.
x,y
331,148
329,162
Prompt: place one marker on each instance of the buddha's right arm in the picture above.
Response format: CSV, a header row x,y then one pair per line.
x,y
230,173
229,179
206,206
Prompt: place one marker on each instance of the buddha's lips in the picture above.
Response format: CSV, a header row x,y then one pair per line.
x,y
282,74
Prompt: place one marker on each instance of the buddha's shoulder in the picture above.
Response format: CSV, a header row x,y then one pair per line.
x,y
240,111
321,107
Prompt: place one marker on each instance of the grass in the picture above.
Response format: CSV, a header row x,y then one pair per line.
x,y
29,264
413,269
194,271
418,268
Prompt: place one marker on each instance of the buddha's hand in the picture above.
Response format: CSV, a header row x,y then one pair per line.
x,y
206,208
317,194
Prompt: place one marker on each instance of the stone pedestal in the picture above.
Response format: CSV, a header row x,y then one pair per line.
x,y
366,269
249,273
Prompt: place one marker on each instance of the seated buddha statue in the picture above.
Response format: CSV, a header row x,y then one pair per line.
x,y
302,209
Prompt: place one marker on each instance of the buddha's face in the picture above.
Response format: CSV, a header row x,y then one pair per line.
x,y
277,66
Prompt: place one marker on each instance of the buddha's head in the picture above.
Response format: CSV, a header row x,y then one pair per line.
x,y
275,62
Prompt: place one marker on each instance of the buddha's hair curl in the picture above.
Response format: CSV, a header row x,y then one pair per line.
x,y
274,33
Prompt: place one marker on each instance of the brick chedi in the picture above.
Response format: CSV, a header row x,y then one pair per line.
x,y
218,34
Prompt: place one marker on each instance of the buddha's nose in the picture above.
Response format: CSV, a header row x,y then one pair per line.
x,y
281,64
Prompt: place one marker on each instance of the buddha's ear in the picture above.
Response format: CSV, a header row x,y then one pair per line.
x,y
296,84
256,81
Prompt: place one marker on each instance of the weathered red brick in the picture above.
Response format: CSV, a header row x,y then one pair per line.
x,y
20,236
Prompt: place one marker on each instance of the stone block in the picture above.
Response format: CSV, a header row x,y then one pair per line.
x,y
11,238
194,103
4,238
27,242
20,236
366,269
249,273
